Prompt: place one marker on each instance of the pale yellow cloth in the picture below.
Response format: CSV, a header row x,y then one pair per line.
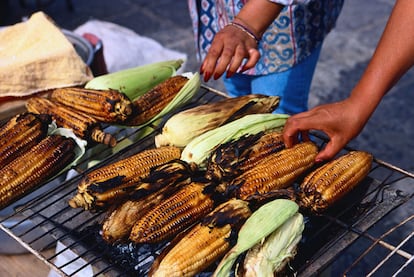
x,y
36,56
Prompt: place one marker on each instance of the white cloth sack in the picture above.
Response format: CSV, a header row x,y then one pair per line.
x,y
123,48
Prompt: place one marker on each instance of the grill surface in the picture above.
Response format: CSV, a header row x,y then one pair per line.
x,y
370,233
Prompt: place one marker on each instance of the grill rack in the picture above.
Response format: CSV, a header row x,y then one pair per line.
x,y
369,233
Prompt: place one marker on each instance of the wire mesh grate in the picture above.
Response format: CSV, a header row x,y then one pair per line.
x,y
370,233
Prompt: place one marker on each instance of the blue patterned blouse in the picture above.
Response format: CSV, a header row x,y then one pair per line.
x,y
300,28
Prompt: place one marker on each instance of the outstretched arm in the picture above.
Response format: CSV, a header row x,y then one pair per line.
x,y
344,120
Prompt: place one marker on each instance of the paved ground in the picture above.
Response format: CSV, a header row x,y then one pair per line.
x,y
345,54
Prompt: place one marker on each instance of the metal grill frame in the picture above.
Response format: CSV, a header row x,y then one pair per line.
x,y
388,190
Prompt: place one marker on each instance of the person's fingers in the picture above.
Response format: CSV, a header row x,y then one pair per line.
x,y
236,62
241,55
224,61
327,153
290,139
330,150
210,61
296,125
254,56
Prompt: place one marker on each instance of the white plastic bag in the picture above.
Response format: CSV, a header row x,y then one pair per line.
x,y
123,48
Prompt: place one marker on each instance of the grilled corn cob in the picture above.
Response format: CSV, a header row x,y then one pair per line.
x,y
82,125
277,171
330,182
107,106
106,184
258,226
206,242
36,165
231,159
182,127
121,218
173,214
20,133
151,103
270,257
136,81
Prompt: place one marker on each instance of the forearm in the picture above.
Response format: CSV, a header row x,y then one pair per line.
x,y
393,56
257,15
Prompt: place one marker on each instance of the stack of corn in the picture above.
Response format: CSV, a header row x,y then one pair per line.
x,y
240,157
29,155
83,110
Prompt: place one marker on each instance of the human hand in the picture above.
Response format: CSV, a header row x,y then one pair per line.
x,y
230,47
340,121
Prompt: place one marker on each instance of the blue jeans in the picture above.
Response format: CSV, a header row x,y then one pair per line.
x,y
292,85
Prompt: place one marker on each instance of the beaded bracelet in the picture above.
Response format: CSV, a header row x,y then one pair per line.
x,y
246,30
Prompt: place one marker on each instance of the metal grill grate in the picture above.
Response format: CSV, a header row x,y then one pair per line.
x,y
370,233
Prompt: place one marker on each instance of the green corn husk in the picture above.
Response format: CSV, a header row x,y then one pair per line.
x,y
258,226
201,147
184,126
271,256
136,81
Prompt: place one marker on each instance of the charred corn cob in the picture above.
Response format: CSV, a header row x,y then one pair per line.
x,y
82,125
270,257
106,184
277,171
151,103
121,218
231,159
206,242
182,127
38,164
330,182
258,226
173,214
108,106
21,133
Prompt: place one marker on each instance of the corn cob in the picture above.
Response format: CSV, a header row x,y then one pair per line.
x,y
330,182
258,226
106,184
136,81
121,218
206,242
200,148
20,133
270,257
277,171
182,127
82,125
231,159
107,106
173,215
151,103
36,165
